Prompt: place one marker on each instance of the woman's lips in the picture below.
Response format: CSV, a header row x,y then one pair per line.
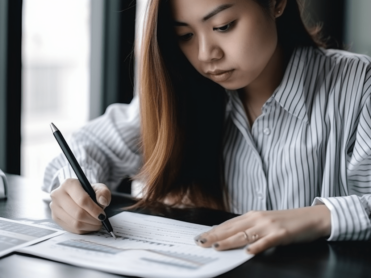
x,y
220,76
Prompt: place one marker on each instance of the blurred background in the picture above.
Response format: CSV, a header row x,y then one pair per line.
x,y
65,61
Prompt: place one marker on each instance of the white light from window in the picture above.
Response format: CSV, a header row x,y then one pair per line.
x,y
56,51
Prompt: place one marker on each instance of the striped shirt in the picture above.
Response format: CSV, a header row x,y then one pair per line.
x,y
311,145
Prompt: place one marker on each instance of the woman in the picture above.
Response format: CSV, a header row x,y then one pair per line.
x,y
241,109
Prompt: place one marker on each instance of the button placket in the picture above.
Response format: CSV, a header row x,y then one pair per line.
x,y
260,133
251,136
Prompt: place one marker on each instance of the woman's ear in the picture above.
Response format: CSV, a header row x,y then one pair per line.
x,y
279,7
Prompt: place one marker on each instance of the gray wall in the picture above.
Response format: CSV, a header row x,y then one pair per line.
x,y
358,26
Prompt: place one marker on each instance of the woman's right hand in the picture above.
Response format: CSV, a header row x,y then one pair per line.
x,y
75,211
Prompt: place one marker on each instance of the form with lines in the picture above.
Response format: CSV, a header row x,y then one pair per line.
x,y
147,246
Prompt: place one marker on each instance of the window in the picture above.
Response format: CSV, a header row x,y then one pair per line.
x,y
56,51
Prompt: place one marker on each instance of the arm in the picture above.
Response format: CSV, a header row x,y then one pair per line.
x,y
350,215
107,149
265,229
338,218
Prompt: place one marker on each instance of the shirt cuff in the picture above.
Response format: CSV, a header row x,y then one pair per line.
x,y
349,220
67,173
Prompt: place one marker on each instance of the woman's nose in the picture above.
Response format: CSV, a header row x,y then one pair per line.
x,y
208,50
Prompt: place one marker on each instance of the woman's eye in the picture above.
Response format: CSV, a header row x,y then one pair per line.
x,y
224,28
185,37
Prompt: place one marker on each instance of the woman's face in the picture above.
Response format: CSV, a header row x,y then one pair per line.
x,y
227,41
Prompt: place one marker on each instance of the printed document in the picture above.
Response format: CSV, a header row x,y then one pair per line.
x,y
146,246
15,235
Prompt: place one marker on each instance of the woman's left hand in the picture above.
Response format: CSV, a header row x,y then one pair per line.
x,y
265,229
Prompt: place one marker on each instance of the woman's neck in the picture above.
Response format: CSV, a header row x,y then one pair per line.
x,y
260,90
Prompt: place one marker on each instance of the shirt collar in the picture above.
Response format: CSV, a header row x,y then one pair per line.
x,y
291,93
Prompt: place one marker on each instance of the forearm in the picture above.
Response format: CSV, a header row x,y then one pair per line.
x,y
107,149
349,217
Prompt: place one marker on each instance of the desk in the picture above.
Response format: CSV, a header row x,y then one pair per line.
x,y
318,259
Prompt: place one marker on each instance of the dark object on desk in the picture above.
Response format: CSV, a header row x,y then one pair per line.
x,y
79,173
202,216
3,185
317,259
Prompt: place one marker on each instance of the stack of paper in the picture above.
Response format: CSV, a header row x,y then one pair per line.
x,y
15,235
147,246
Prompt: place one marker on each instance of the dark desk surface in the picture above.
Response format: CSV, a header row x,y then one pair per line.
x,y
318,259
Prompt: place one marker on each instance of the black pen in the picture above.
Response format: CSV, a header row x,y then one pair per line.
x,y
78,171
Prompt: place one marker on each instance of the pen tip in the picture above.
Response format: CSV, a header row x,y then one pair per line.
x,y
113,235
53,127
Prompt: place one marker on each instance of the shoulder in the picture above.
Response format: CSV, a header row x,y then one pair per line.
x,y
122,111
338,71
118,118
339,78
344,60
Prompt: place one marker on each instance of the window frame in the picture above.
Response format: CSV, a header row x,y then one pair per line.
x,y
11,85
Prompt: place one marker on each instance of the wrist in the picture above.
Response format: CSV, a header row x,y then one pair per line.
x,y
323,220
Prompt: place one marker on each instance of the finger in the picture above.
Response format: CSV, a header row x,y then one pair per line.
x,y
102,193
228,228
71,225
83,200
77,213
220,233
235,241
266,242
61,198
238,240
77,228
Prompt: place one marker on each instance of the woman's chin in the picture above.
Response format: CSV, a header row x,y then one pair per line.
x,y
231,87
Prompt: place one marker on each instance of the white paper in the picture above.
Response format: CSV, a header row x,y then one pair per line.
x,y
15,235
147,246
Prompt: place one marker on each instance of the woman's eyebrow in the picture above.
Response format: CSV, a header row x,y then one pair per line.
x,y
209,15
216,11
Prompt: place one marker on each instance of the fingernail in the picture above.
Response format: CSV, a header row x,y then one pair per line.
x,y
101,217
215,245
103,201
203,240
197,238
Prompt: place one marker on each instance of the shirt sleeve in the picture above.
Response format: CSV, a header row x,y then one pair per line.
x,y
107,148
350,215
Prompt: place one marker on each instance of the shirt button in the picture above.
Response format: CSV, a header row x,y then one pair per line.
x,y
267,131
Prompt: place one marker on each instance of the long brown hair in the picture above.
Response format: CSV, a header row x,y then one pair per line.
x,y
182,113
